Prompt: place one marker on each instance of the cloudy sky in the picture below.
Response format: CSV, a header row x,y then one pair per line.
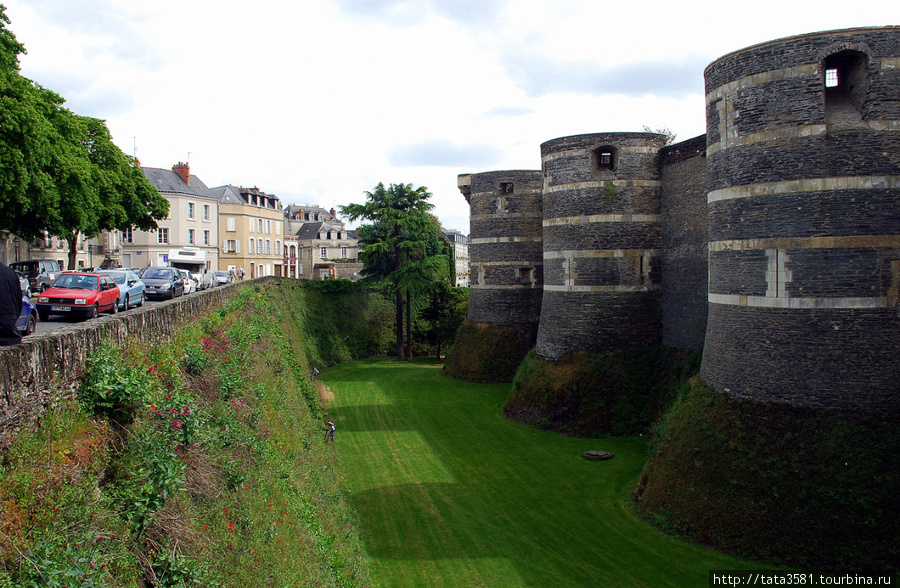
x,y
318,101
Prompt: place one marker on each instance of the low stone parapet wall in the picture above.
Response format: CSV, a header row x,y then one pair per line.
x,y
44,369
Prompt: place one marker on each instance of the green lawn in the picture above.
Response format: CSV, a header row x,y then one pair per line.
x,y
451,493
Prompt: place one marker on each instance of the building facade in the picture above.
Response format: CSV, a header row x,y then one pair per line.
x,y
460,246
192,220
318,245
251,228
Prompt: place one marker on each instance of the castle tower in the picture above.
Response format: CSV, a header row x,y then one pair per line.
x,y
601,243
803,149
505,274
505,254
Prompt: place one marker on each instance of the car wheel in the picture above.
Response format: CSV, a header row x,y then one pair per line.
x,y
172,294
114,307
141,300
44,315
127,303
95,311
32,324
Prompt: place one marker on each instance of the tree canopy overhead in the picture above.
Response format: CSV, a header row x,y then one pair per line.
x,y
60,172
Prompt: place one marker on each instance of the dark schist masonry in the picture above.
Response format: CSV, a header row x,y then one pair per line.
x,y
771,242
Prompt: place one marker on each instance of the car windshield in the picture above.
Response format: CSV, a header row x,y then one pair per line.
x,y
118,277
24,267
76,282
165,274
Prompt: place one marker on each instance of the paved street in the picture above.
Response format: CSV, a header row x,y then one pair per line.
x,y
56,321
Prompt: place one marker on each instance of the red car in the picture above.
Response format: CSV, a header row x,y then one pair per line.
x,y
79,294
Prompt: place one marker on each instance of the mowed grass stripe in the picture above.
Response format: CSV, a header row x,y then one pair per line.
x,y
451,493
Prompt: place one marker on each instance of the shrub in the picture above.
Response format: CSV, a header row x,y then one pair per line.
x,y
112,387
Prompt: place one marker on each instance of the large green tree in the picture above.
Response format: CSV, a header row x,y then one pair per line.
x,y
60,173
29,199
394,244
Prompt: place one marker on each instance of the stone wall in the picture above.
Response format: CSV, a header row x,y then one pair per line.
x,y
44,369
684,243
505,247
804,220
602,243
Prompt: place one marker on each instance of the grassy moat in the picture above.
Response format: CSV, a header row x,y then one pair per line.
x,y
202,462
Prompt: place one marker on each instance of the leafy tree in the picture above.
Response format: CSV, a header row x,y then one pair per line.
x,y
60,173
394,242
28,196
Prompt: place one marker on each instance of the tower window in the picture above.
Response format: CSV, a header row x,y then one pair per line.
x,y
506,187
603,162
846,86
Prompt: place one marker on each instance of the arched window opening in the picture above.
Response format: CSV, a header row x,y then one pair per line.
x,y
604,161
845,86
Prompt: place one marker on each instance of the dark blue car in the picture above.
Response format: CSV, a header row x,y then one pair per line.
x,y
28,318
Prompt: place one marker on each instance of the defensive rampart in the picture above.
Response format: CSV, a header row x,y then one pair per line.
x,y
44,369
804,220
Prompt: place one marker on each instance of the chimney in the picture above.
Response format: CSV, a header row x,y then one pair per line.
x,y
333,214
137,163
183,170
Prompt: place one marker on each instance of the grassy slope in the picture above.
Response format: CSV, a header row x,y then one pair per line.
x,y
253,498
450,493
811,488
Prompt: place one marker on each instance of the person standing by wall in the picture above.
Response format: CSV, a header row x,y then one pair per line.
x,y
10,306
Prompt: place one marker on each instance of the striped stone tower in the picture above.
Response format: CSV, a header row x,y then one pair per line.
x,y
803,149
601,243
505,254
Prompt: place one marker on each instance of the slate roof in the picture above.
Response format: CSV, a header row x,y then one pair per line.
x,y
310,230
228,195
168,181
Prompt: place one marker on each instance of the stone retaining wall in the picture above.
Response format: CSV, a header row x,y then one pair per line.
x,y
44,369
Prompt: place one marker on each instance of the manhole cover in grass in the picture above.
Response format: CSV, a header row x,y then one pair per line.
x,y
597,455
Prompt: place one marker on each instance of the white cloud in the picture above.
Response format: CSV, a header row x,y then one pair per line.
x,y
319,101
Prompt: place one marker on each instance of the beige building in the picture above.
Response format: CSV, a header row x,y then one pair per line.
x,y
251,228
318,246
192,221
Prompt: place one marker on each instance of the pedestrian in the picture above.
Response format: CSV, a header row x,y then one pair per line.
x,y
10,305
240,273
329,432
231,276
315,373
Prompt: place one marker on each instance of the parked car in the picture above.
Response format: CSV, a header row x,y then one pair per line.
x,y
39,272
221,278
28,317
204,280
25,285
131,288
190,286
162,282
79,294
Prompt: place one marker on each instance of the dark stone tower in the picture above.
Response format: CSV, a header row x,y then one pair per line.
x,y
505,252
505,273
601,243
803,150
